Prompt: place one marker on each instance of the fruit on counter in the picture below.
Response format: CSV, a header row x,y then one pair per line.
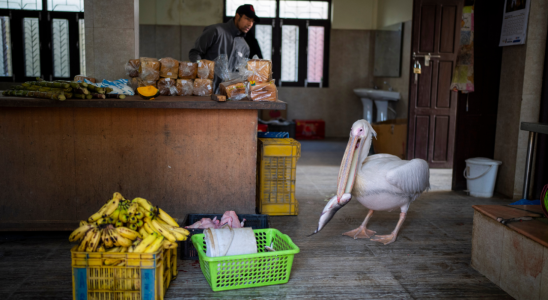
x,y
121,225
116,96
148,92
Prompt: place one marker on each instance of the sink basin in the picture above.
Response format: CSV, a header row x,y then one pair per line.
x,y
381,99
377,94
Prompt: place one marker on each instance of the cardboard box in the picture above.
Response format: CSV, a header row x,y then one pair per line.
x,y
391,137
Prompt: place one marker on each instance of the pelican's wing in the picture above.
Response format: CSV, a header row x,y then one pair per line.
x,y
412,177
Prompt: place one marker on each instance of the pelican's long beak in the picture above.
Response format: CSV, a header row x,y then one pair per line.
x,y
347,172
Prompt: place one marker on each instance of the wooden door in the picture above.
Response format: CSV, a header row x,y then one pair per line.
x,y
432,106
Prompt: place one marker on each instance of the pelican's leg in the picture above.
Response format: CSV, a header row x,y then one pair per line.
x,y
362,232
387,239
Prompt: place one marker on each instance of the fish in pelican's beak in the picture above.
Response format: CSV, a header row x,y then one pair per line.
x,y
354,156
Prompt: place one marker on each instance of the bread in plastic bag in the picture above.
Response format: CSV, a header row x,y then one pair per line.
x,y
167,86
259,70
169,67
233,90
206,69
149,69
154,83
135,82
188,70
202,87
132,67
262,91
185,87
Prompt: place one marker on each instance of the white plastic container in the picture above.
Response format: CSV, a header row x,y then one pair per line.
x,y
481,175
229,241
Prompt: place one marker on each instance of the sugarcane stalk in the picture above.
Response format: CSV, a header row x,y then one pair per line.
x,y
39,79
26,84
44,89
59,97
116,96
69,95
75,85
108,90
98,96
81,91
96,89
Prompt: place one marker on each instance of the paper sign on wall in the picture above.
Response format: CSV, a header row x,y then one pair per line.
x,y
514,22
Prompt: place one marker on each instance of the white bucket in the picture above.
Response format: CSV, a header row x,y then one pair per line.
x,y
481,174
230,241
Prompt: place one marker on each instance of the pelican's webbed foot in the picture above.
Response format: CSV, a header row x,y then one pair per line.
x,y
360,233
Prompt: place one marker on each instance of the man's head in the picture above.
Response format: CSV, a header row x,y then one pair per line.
x,y
245,18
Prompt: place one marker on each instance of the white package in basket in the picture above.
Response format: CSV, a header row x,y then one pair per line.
x,y
229,241
481,175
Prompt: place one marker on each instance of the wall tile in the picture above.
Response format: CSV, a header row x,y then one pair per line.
x,y
114,14
89,17
534,66
189,35
147,40
90,52
168,43
110,57
521,266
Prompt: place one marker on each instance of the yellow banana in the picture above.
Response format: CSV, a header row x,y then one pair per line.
x,y
149,228
178,236
132,209
130,249
143,232
101,248
80,232
179,233
85,241
112,204
144,203
180,230
94,241
113,237
123,216
107,240
133,227
155,245
121,264
139,223
124,249
114,250
146,242
139,214
169,245
166,218
118,224
146,213
124,242
163,231
128,233
116,213
96,216
112,261
82,223
133,219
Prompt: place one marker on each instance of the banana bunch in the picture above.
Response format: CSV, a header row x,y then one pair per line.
x,y
122,226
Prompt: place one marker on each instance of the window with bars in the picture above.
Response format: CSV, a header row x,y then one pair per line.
x,y
294,34
41,38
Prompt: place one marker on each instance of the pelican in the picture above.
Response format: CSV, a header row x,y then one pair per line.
x,y
379,182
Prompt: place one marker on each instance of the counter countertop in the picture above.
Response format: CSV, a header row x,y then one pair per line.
x,y
187,102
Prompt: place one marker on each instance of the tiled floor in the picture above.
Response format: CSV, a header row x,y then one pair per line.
x,y
430,259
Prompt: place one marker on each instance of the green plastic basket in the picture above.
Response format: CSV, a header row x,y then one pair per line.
x,y
250,270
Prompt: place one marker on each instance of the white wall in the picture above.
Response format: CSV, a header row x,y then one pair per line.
x,y
180,12
390,12
354,14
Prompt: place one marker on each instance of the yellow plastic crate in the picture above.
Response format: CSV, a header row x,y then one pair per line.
x,y
276,176
145,275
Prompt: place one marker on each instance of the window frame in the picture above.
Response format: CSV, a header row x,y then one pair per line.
x,y
303,46
45,18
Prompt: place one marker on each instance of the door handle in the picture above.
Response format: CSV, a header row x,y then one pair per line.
x,y
427,57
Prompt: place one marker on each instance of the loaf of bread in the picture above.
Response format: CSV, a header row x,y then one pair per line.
x,y
185,87
188,70
206,69
203,87
149,69
233,90
135,82
167,86
169,67
260,69
263,91
132,68
154,83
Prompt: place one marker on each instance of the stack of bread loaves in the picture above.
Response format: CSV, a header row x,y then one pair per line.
x,y
256,84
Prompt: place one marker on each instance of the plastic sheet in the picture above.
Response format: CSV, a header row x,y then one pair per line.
x,y
132,68
188,70
206,69
185,87
167,86
262,91
149,69
169,67
260,70
233,90
203,87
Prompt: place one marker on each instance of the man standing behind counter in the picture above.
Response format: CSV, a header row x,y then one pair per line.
x,y
226,38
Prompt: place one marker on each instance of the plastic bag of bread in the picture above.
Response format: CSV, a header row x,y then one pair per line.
x,y
154,83
132,68
135,82
259,70
149,69
233,90
188,70
202,87
206,69
262,91
167,86
185,87
169,67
